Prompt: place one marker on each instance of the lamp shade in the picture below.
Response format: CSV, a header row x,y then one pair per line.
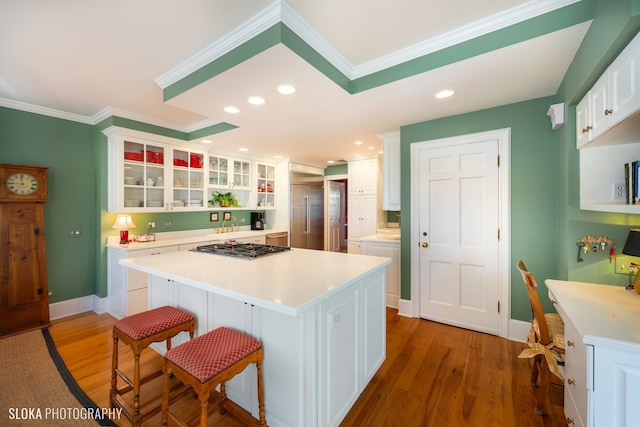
x,y
632,245
123,222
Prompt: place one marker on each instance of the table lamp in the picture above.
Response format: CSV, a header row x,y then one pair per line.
x,y
632,247
123,223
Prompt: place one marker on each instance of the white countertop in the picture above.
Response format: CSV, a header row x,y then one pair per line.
x,y
599,311
188,237
384,235
287,282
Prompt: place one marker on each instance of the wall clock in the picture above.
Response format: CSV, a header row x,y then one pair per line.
x,y
23,183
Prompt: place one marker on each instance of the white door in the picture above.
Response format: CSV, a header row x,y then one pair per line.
x,y
456,182
336,190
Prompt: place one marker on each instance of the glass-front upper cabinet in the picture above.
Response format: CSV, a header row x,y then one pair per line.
x,y
229,173
188,179
143,170
152,173
266,185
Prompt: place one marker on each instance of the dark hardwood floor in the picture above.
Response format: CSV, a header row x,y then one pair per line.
x,y
434,375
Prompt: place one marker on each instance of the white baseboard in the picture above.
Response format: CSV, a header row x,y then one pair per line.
x,y
61,309
405,308
518,329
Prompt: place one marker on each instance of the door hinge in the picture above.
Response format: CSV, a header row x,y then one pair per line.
x,y
498,160
36,231
498,233
498,306
40,291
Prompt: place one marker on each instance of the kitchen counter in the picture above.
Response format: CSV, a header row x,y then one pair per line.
x,y
320,317
287,282
384,235
188,237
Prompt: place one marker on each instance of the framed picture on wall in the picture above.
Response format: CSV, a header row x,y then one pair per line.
x,y
213,216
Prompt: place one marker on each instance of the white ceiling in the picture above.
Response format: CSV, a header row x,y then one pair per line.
x,y
90,59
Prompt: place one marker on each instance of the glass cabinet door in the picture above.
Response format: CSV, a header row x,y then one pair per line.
x,y
266,185
144,174
188,179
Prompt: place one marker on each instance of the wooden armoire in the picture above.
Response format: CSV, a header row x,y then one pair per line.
x,y
24,300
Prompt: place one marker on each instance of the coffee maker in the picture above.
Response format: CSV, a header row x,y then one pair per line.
x,y
257,220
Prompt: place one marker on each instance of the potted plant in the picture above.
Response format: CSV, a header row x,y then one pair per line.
x,y
225,200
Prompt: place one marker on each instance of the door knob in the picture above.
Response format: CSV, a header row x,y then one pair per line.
x,y
425,245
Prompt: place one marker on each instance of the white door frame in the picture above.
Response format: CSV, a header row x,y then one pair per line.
x,y
504,219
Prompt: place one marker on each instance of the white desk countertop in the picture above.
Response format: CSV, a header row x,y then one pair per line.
x,y
599,311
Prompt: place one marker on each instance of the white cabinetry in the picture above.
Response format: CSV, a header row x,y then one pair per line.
x,y
316,363
602,365
608,132
127,288
389,249
152,175
390,171
228,174
363,201
265,185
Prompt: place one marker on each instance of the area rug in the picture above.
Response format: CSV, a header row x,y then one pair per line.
x,y
37,389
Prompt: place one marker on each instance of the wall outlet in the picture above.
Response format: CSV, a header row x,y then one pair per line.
x,y
619,191
623,264
151,225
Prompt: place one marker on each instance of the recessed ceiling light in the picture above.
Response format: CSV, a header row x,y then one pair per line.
x,y
231,109
243,149
444,93
371,148
206,141
286,89
256,100
358,142
277,156
331,161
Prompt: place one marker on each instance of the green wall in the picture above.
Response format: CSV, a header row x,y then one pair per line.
x,y
65,148
533,185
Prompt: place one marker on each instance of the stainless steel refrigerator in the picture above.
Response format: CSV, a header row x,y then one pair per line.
x,y
307,211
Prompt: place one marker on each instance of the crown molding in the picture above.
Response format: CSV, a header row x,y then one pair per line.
x,y
245,32
468,32
45,111
318,43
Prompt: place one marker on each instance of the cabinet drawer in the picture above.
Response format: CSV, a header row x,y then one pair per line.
x,y
575,372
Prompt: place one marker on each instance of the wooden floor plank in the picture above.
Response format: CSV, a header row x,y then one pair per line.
x,y
433,375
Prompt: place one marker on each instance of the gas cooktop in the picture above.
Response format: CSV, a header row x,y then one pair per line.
x,y
241,250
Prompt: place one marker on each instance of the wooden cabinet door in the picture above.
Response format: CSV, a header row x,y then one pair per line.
x,y
24,298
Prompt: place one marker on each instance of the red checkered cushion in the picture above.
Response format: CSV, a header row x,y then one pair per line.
x,y
148,323
212,353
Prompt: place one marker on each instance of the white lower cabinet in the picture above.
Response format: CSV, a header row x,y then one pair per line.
x,y
389,249
575,380
127,288
315,364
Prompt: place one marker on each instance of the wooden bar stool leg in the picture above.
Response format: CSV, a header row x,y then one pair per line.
x,y
165,392
204,408
114,366
136,388
223,397
261,414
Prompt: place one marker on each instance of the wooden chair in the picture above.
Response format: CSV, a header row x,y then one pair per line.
x,y
138,331
211,360
546,342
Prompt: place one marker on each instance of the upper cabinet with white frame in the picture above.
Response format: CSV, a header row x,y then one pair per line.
x,y
608,132
614,98
390,171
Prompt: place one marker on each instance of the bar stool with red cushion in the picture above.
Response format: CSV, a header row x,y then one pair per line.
x,y
209,360
138,331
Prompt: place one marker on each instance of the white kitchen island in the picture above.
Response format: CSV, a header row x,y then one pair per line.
x,y
320,317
